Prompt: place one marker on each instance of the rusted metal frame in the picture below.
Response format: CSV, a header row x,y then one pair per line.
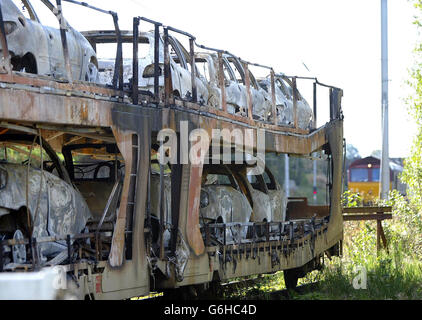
x,y
63,37
27,79
294,87
157,69
167,71
221,81
118,70
176,186
315,104
6,64
148,224
381,235
181,32
84,4
13,242
335,103
215,113
161,202
135,61
193,69
307,78
273,99
131,201
249,101
106,209
255,64
192,58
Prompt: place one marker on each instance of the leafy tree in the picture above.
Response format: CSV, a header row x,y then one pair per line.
x,y
412,173
352,152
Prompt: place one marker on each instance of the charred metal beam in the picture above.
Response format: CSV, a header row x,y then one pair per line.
x,y
273,99
161,200
248,90
157,69
193,69
181,32
294,87
176,186
135,68
63,37
84,4
221,81
167,71
118,70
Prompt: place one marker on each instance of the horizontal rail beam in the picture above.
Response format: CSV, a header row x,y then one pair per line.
x,y
358,217
367,209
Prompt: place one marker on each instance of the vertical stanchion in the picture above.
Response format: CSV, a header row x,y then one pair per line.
x,y
135,68
193,70
221,81
248,90
167,71
157,69
65,47
118,70
273,99
294,102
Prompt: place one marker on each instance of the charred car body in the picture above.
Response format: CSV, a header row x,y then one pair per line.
x,y
35,48
179,64
37,203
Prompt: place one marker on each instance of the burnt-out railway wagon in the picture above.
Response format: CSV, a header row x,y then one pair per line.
x,y
146,172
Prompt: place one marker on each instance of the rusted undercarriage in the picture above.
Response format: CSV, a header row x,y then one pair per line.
x,y
117,261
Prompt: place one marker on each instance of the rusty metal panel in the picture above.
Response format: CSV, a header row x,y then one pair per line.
x,y
25,105
194,236
124,142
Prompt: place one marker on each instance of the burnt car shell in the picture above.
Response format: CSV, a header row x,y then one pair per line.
x,y
55,206
37,49
224,203
61,209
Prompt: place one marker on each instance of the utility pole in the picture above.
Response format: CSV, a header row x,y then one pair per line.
x,y
385,161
